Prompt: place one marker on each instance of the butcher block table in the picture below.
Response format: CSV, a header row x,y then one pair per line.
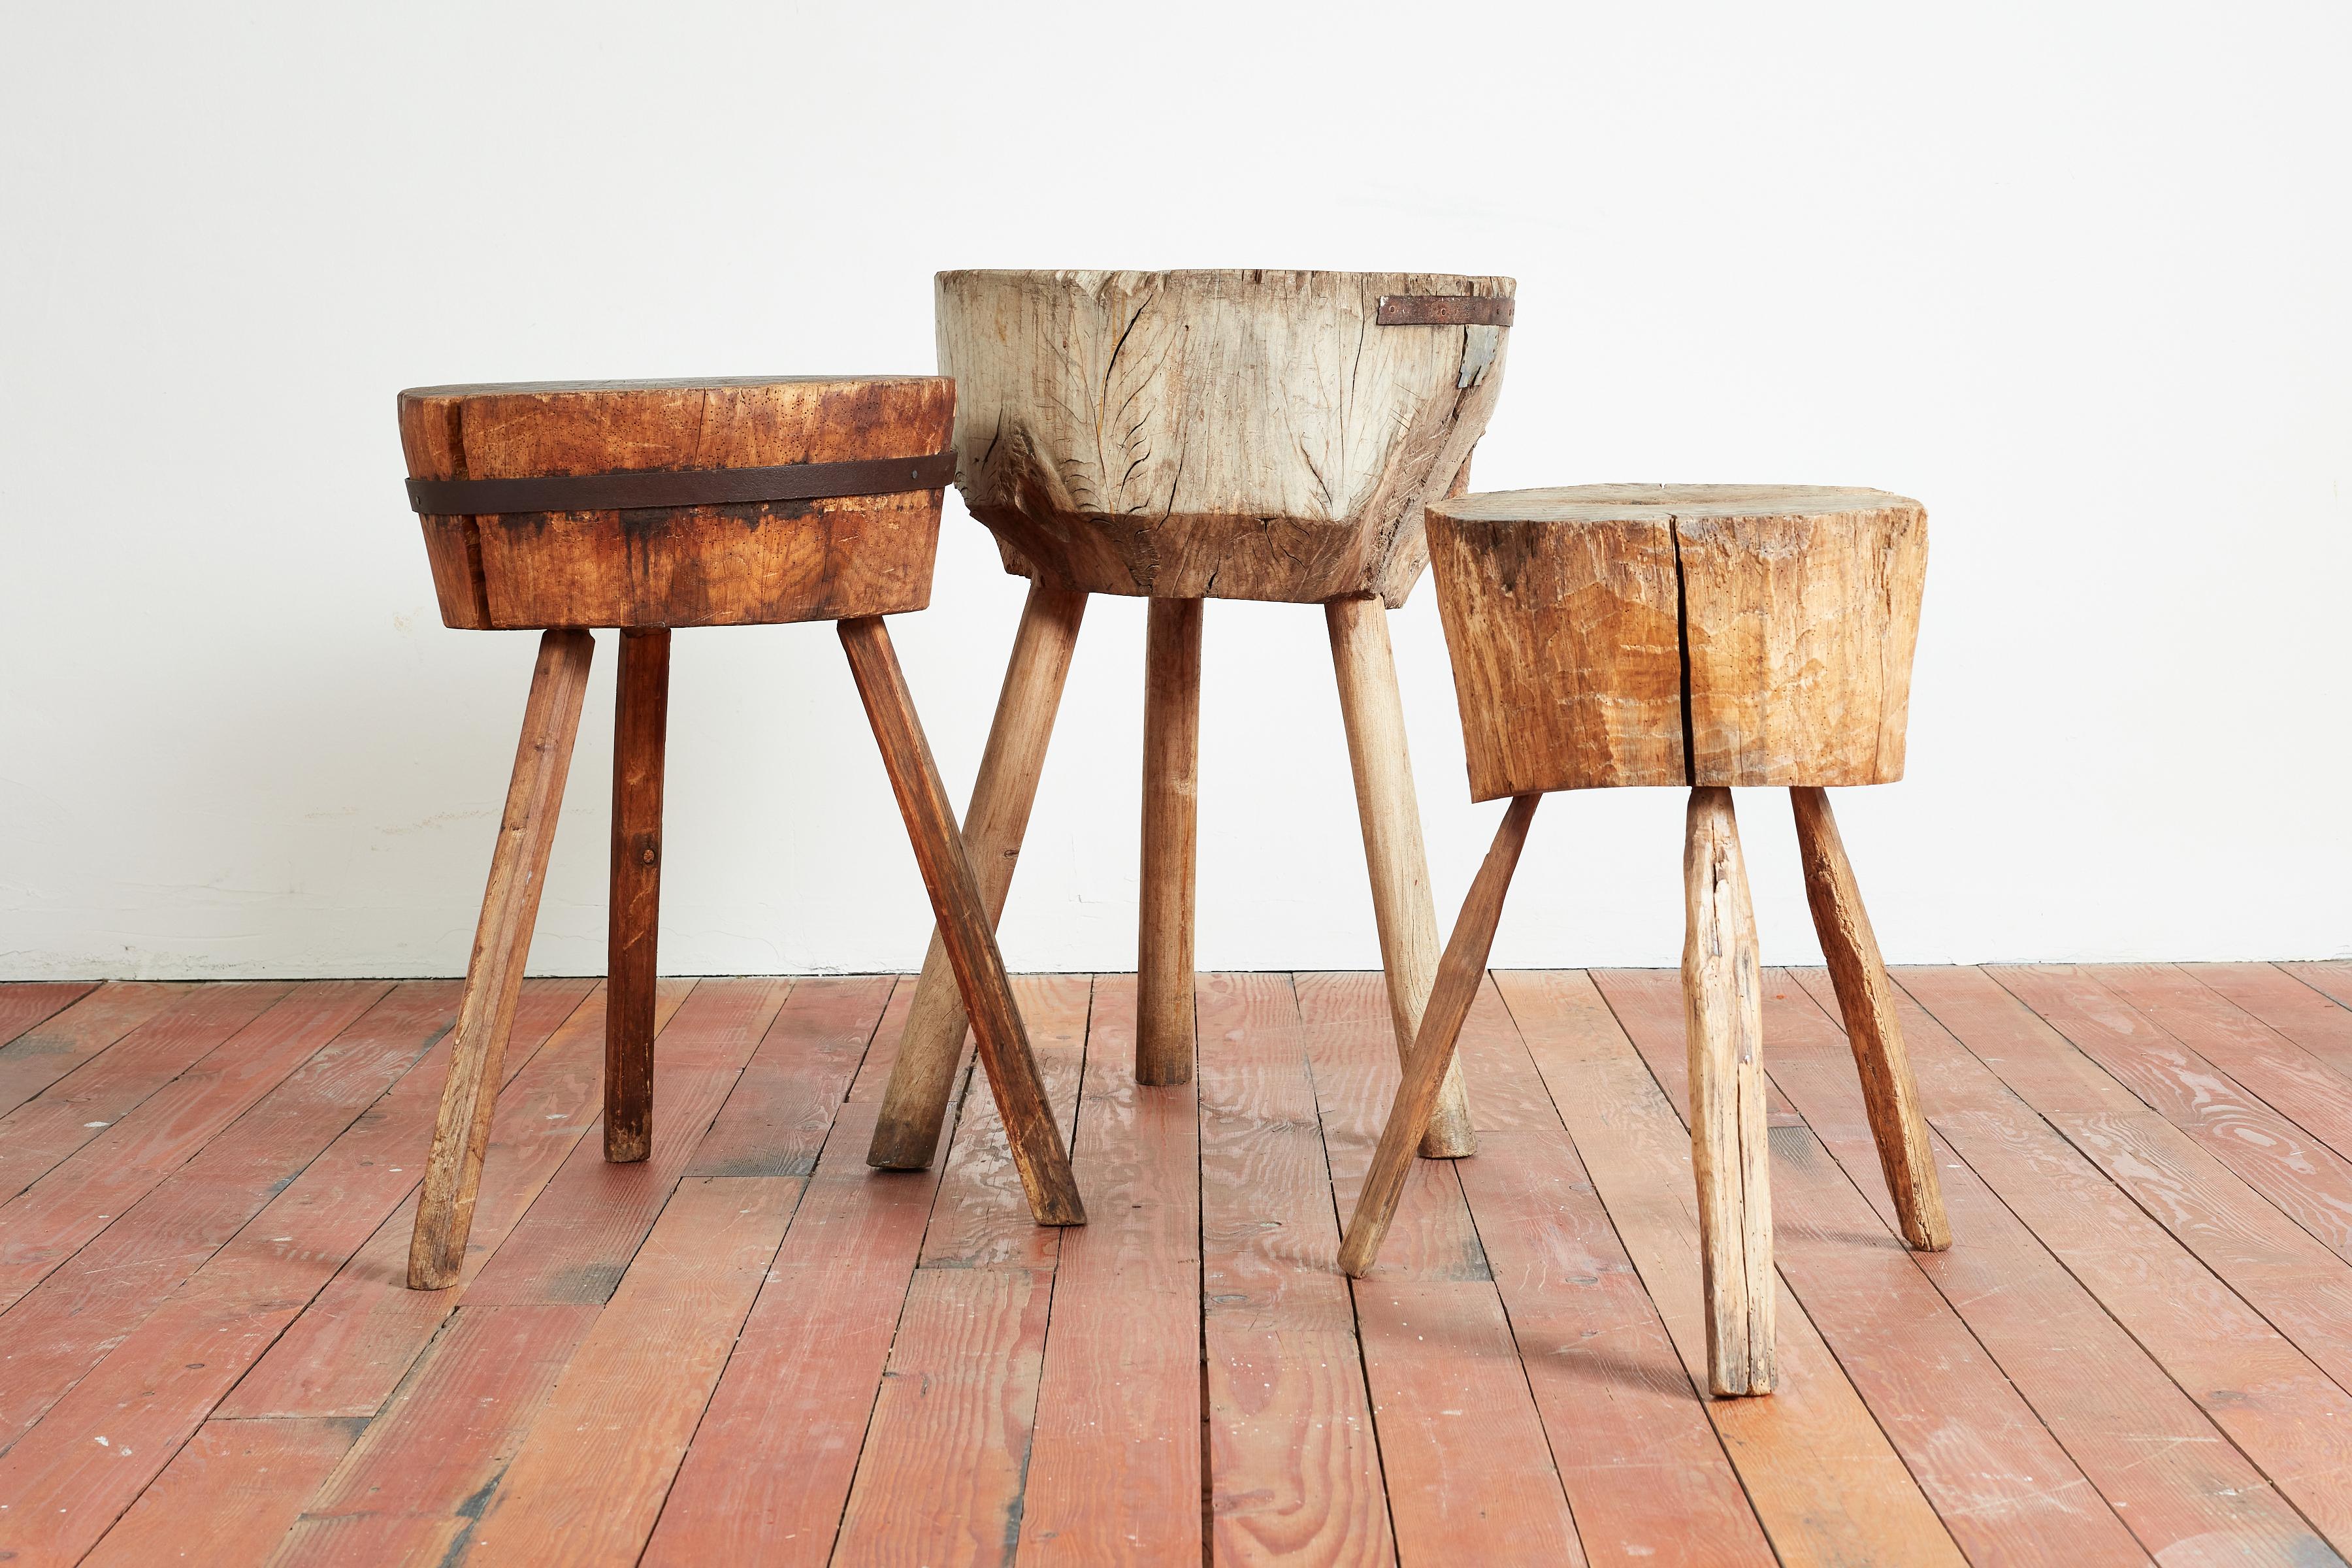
x,y
1182,436
1695,636
645,506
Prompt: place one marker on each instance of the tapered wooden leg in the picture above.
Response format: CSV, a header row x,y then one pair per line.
x,y
1723,1002
963,926
1867,1000
452,1172
1428,1067
1373,712
1171,770
640,729
922,1077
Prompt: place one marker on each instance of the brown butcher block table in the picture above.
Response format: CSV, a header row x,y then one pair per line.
x,y
1698,637
645,506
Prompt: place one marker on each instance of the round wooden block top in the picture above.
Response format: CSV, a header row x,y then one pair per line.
x,y
1623,503
1611,635
533,429
1242,433
725,501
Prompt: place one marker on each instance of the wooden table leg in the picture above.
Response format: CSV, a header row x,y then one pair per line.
x,y
1373,712
1867,1000
1723,1004
963,925
640,729
922,1077
1429,1065
452,1172
1172,771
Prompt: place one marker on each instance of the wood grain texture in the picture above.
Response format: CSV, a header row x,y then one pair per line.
x,y
780,1112
633,911
1164,1042
2295,1170
1722,1001
2161,1253
413,1486
2273,994
2129,1330
25,1002
2169,1473
1115,1470
1469,1478
23,1005
1646,1476
979,1220
1294,1471
1867,1003
945,1461
1241,434
1999,1478
808,1362
922,1076
1819,1471
166,1376
77,1200
1565,637
453,1170
82,1103
364,1329
1372,710
940,1478
575,1241
229,1495
592,1472
2330,980
964,925
1709,634
1646,1479
1433,1063
2300,1084
679,566
321,1130
61,1043
1351,1050
874,1072
2262,1238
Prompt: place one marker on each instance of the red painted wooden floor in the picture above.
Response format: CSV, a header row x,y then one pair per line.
x,y
752,1349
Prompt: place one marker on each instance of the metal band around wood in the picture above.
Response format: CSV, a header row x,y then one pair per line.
x,y
630,491
1445,310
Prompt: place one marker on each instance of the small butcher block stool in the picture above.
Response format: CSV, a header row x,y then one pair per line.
x,y
649,505
1182,436
1701,635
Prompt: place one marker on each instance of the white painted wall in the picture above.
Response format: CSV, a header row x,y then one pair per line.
x,y
2074,275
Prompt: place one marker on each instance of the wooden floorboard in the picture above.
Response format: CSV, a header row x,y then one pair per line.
x,y
2295,1168
1462,1442
89,1302
26,1005
1294,1470
111,1077
2002,1483
941,1475
46,1035
751,1348
1825,1482
1115,1465
2170,1474
2142,1236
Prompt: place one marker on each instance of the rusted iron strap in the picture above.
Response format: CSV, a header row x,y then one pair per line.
x,y
1445,310
630,491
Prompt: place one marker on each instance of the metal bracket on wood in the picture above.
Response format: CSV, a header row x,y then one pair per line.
x,y
1445,310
